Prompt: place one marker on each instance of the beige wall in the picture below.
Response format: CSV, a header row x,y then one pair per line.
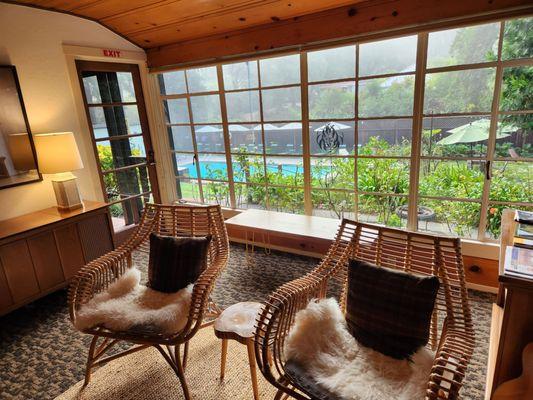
x,y
32,40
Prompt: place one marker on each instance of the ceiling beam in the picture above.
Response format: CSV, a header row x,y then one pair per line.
x,y
344,22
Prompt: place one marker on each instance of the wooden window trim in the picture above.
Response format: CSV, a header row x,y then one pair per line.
x,y
415,158
98,66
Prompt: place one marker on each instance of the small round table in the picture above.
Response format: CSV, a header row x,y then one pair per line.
x,y
237,322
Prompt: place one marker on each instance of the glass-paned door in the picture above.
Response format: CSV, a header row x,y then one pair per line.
x,y
117,119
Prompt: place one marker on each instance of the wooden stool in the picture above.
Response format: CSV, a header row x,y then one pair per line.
x,y
237,322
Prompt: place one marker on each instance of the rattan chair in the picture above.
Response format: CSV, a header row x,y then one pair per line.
x,y
451,332
95,277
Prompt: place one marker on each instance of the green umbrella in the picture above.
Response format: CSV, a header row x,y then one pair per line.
x,y
476,131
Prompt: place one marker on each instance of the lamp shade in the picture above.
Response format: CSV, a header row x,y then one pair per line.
x,y
21,152
57,152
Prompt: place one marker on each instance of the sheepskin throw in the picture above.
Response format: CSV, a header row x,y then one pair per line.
x,y
389,310
320,342
128,305
175,262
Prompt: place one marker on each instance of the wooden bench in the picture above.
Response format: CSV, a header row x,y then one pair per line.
x,y
312,236
300,234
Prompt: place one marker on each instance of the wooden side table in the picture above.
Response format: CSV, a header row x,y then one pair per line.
x,y
512,319
237,322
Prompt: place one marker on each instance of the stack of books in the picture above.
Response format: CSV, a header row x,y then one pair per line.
x,y
519,257
523,236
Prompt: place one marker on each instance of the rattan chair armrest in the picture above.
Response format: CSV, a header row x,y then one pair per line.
x,y
449,366
276,319
95,277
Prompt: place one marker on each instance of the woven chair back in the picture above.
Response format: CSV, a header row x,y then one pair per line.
x,y
181,220
413,252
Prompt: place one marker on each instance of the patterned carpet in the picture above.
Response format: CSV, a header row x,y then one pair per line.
x,y
41,355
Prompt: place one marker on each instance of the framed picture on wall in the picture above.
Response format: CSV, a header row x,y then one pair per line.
x,y
18,160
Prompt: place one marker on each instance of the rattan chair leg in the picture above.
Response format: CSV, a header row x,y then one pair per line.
x,y
279,395
223,358
185,354
181,374
174,360
90,359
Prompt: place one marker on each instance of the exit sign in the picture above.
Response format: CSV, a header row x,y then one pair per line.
x,y
111,53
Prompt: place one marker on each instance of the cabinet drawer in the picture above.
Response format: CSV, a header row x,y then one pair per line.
x,y
481,271
46,260
16,259
5,295
70,251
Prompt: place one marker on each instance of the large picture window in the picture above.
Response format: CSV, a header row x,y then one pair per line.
x,y
427,132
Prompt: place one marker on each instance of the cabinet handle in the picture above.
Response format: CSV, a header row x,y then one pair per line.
x,y
474,268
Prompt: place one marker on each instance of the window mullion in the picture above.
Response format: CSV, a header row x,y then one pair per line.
x,y
195,147
418,108
163,141
225,129
308,204
491,146
356,135
267,200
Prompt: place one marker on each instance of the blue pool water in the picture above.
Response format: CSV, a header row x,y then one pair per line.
x,y
212,168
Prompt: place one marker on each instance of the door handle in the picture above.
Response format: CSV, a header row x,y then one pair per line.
x,y
487,170
150,159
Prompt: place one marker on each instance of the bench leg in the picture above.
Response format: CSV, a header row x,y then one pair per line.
x,y
251,360
223,357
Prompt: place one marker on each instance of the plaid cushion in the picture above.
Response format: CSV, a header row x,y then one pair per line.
x,y
176,262
389,310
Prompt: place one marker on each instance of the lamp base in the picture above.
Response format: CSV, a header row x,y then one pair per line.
x,y
67,194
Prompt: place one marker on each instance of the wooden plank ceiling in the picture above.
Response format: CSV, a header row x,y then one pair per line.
x,y
195,31
153,23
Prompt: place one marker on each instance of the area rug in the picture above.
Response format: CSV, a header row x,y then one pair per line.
x,y
146,376
42,355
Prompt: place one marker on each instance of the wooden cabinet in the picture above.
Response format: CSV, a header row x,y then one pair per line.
x,y
41,251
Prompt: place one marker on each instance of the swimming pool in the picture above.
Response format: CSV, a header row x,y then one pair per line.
x,y
214,169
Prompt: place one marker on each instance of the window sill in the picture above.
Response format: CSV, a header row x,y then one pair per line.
x,y
469,247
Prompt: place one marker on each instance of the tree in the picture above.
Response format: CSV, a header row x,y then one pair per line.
x,y
474,44
331,102
383,97
517,89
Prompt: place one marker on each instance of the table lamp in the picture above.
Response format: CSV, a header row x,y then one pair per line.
x,y
58,154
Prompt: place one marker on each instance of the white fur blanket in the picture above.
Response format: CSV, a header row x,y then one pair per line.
x,y
126,304
322,344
